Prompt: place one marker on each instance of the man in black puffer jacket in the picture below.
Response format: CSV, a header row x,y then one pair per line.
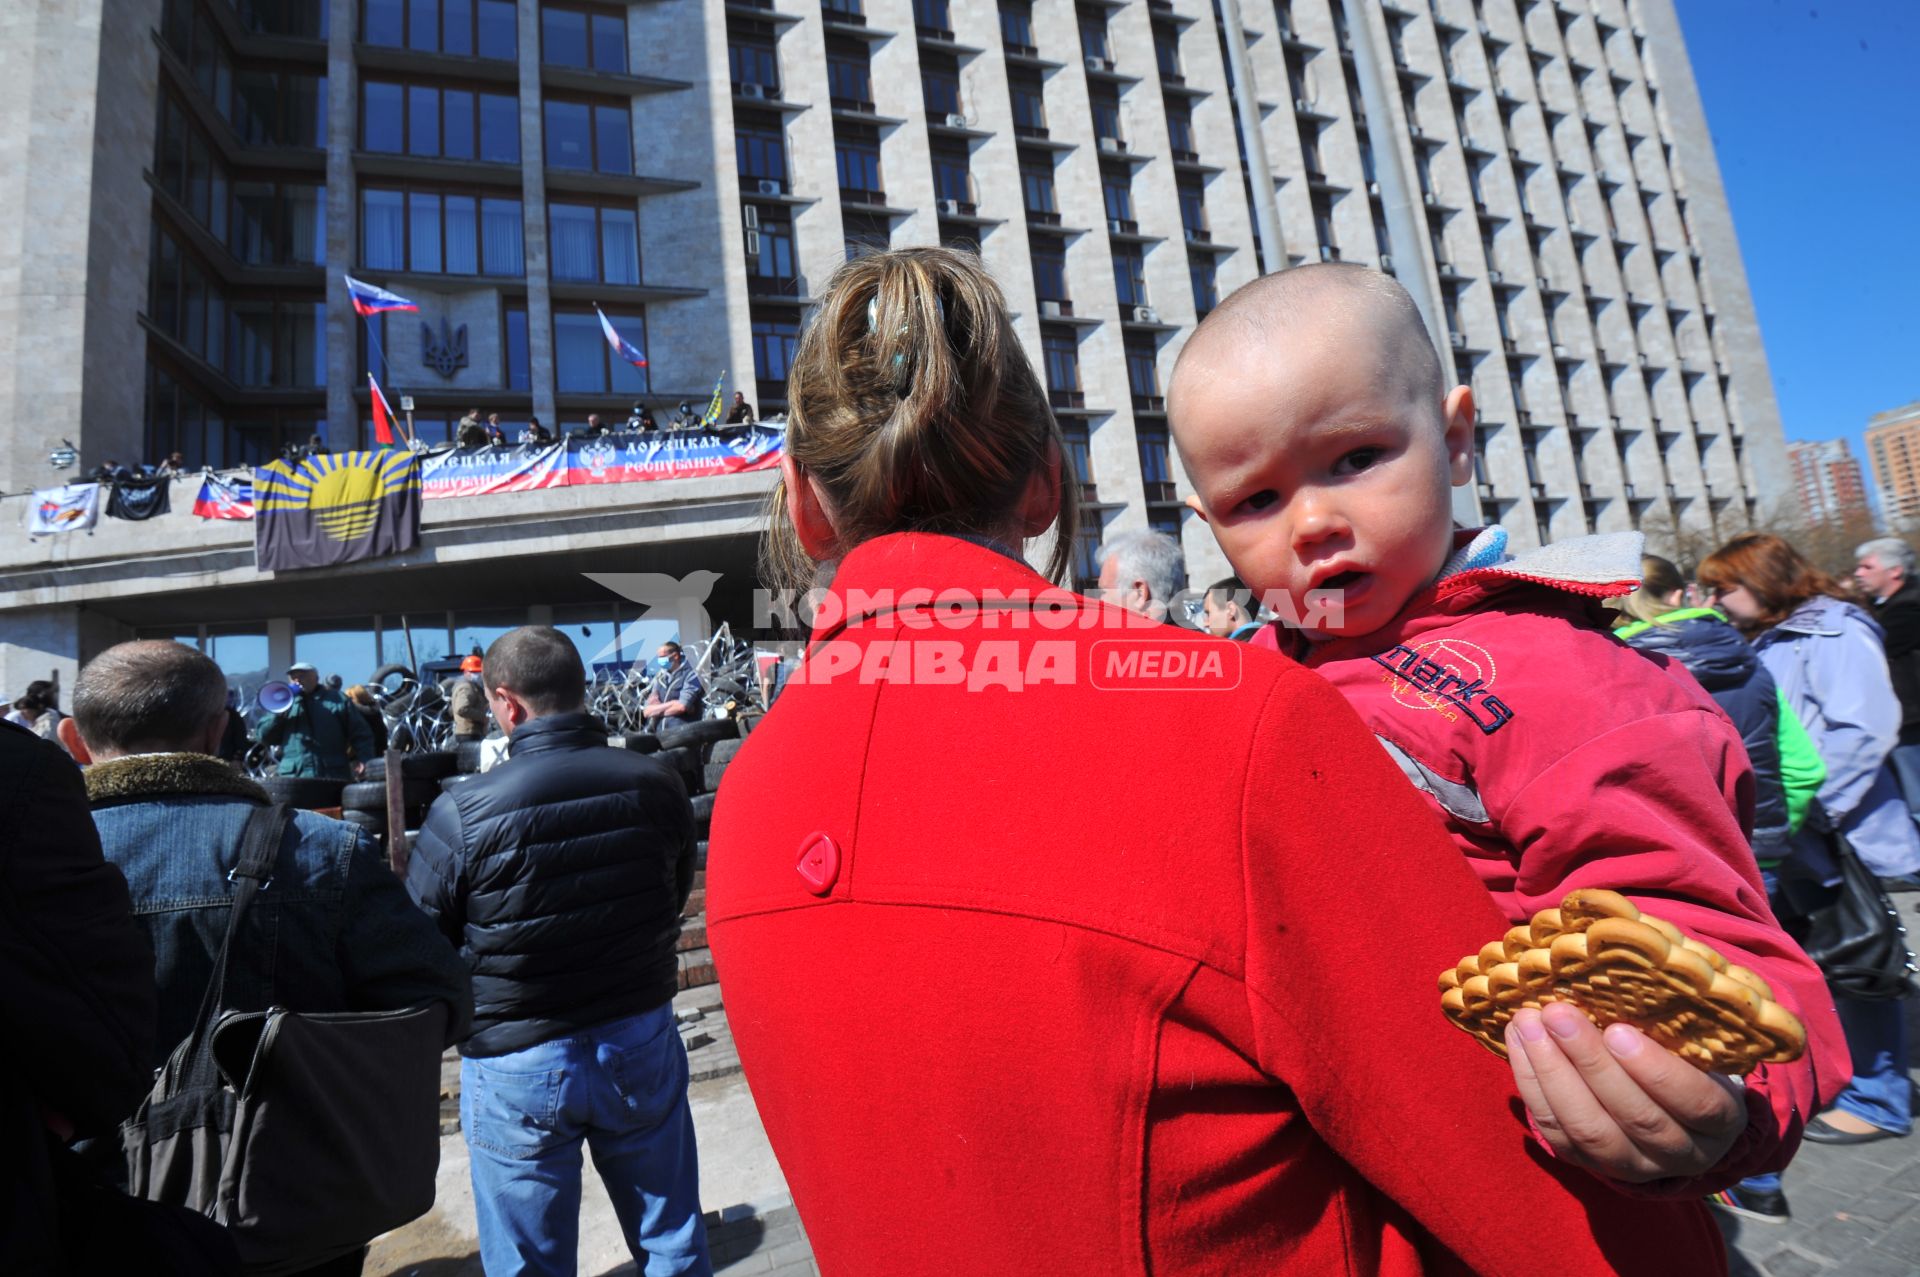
x,y
561,874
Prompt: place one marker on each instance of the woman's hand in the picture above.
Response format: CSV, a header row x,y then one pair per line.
x,y
1617,1103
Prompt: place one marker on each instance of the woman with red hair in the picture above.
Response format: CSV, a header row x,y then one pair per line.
x,y
1827,657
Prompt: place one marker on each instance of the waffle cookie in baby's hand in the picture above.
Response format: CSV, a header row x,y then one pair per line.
x,y
1620,966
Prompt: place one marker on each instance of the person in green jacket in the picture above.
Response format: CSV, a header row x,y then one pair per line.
x,y
1787,768
319,733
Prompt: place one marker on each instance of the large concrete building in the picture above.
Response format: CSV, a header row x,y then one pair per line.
x,y
185,182
1893,450
1826,475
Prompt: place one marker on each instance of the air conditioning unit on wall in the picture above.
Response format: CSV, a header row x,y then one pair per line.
x,y
771,186
753,91
1145,315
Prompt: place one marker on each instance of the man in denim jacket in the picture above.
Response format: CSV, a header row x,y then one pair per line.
x,y
333,931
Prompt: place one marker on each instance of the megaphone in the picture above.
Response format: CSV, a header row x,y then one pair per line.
x,y
274,697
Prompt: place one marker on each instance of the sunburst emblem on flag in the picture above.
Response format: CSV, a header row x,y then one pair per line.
x,y
343,491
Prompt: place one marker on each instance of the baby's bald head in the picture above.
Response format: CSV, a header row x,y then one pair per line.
x,y
1367,311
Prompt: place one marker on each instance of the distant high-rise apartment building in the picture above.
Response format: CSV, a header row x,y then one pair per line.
x,y
1827,477
194,177
1893,450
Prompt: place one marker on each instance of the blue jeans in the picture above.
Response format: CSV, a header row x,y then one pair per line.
x,y
1880,1092
621,1088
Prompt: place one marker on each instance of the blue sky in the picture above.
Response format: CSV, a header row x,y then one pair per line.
x,y
1814,107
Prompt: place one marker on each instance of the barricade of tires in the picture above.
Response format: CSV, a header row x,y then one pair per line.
x,y
423,778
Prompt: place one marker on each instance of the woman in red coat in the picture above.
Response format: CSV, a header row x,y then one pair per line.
x,y
1055,941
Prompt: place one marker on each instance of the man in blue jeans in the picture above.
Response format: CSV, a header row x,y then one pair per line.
x,y
561,874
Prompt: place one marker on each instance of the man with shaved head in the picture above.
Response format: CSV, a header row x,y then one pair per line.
x,y
1313,419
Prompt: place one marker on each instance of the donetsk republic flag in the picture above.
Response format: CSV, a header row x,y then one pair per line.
x,y
335,508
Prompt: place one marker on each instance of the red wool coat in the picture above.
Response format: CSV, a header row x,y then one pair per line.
x,y
1080,974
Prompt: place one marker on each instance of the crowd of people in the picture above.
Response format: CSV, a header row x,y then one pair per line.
x,y
476,431
999,1011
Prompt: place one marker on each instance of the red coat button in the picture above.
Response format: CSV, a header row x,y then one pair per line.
x,y
819,864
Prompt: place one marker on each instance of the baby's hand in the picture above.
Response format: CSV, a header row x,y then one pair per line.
x,y
1618,1103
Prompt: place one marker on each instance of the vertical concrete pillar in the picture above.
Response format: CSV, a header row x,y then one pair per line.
x,y
343,331
533,203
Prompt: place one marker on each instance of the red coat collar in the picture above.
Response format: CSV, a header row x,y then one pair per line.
x,y
907,569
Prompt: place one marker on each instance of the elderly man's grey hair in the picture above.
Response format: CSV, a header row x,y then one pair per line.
x,y
1891,551
1152,557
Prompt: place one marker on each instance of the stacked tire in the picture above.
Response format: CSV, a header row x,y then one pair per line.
x,y
422,779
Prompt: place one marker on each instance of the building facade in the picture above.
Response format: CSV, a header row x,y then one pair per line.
x,y
197,175
1893,450
1826,475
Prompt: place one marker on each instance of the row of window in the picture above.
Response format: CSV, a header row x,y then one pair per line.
x,y
464,124
272,341
261,222
587,37
263,107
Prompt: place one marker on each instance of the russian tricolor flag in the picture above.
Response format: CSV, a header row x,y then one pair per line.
x,y
624,348
370,301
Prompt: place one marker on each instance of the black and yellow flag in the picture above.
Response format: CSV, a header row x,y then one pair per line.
x,y
335,508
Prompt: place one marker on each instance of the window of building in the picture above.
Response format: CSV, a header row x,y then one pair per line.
x,y
592,243
514,317
1201,270
1193,209
1166,55
940,87
1016,27
1050,269
1310,153
1450,307
760,152
268,108
594,39
1180,131
774,341
1086,553
583,362
1156,465
752,60
774,258
1029,106
1106,116
932,16
857,161
589,136
1061,352
1130,274
1079,455
849,75
1036,189
277,223
459,124
1323,221
487,28
434,232
277,344
1117,190
952,178
1093,37
1143,371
